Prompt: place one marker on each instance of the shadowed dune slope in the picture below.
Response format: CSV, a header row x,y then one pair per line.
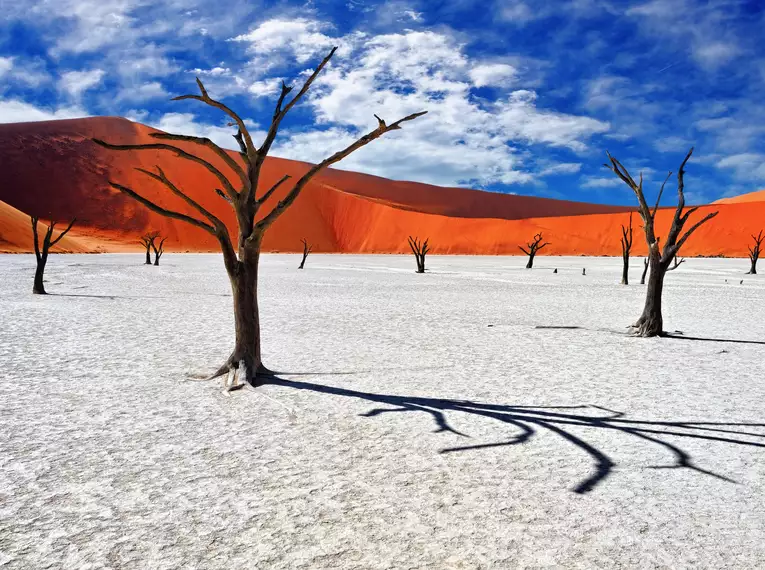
x,y
53,170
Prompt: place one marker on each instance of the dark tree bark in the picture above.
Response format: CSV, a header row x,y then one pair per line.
x,y
158,250
675,264
533,248
306,250
626,241
651,321
147,240
244,194
419,249
645,271
41,255
754,252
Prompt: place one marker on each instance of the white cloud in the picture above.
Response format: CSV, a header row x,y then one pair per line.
x,y
493,74
75,83
702,28
301,36
746,166
266,87
600,182
143,92
518,11
6,64
562,168
16,111
462,141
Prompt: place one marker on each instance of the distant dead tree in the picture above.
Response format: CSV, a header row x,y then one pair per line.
x,y
306,250
675,264
754,252
419,249
626,241
158,249
533,248
42,255
147,240
242,193
651,322
645,271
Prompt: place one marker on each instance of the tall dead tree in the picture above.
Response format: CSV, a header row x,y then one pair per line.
x,y
645,271
158,249
243,194
419,249
306,250
533,248
754,252
42,255
651,322
626,241
147,240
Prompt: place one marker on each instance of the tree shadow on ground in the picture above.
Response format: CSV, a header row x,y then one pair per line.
x,y
677,335
560,420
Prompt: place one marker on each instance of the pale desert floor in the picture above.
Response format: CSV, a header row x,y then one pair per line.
x,y
421,421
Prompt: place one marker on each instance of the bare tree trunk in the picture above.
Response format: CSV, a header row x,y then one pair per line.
x,y
626,270
38,287
754,252
148,255
626,241
530,263
306,250
244,286
651,322
41,254
645,271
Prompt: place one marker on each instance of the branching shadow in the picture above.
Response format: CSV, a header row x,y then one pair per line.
x,y
704,339
528,420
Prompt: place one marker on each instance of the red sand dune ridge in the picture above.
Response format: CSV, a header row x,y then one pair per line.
x,y
53,170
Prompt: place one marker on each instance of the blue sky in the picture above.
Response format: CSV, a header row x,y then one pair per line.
x,y
523,96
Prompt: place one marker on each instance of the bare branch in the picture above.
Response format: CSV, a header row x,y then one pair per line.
x,y
160,210
273,188
658,198
693,228
35,219
205,98
337,157
181,153
216,222
206,142
280,112
62,234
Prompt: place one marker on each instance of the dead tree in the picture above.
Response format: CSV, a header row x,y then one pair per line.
x,y
533,248
147,240
42,255
242,192
626,241
651,322
306,250
158,250
754,252
419,249
675,264
645,271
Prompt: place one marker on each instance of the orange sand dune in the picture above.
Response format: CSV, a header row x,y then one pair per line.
x,y
758,196
16,234
52,169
